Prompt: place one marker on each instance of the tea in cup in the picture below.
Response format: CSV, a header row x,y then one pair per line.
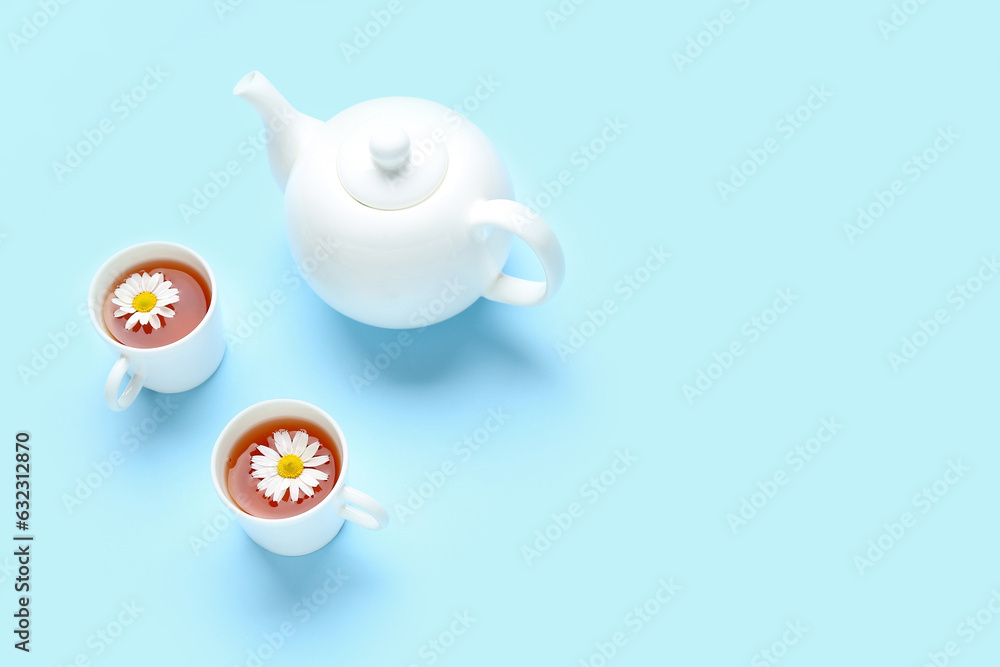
x,y
281,467
156,304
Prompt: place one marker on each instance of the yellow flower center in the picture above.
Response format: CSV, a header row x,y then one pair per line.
x,y
144,302
290,466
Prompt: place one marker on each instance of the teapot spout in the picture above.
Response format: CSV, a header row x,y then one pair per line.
x,y
289,129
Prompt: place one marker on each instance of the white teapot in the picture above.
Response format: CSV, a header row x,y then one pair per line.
x,y
404,207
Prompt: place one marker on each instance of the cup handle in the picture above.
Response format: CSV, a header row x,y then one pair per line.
x,y
534,231
362,509
114,381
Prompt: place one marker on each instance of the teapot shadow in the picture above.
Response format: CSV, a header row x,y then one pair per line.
x,y
483,339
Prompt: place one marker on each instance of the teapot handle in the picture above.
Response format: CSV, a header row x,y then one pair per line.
x,y
534,231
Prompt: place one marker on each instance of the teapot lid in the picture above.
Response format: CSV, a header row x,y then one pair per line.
x,y
392,166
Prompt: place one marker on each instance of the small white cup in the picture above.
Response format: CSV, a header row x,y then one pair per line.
x,y
169,369
313,529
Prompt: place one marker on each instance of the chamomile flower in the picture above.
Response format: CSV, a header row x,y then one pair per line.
x,y
144,297
290,466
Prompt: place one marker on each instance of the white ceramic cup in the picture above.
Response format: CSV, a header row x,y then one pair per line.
x,y
173,368
313,529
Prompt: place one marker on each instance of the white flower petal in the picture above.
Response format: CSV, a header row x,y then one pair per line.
x,y
299,443
293,490
166,312
316,461
125,293
282,442
307,478
133,282
261,474
310,451
123,311
154,319
319,474
259,460
269,453
132,320
306,489
166,300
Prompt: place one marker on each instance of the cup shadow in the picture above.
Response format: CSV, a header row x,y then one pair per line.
x,y
342,572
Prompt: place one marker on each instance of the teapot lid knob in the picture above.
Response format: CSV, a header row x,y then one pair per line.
x,y
392,163
390,147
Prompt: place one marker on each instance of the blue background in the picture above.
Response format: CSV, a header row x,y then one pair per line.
x,y
211,597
